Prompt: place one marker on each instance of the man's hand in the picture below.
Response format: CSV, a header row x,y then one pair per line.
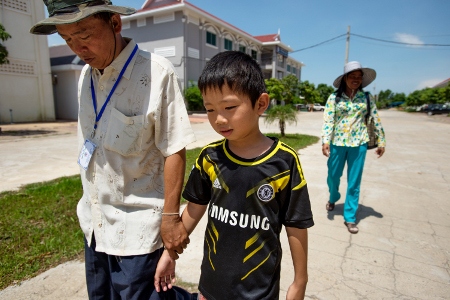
x,y
173,234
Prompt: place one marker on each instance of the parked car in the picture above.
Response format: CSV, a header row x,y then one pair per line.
x,y
437,109
318,107
301,107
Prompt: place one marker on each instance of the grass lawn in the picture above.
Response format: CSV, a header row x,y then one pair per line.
x,y
39,227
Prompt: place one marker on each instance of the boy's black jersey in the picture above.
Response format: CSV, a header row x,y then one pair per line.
x,y
249,201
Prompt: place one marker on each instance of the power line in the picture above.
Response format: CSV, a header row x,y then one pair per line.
x,y
401,43
370,38
320,43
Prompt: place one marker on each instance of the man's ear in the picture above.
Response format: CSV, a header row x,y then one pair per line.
x,y
116,23
262,103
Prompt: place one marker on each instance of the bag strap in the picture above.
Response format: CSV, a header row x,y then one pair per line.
x,y
368,105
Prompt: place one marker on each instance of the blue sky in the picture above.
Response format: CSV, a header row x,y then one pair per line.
x,y
304,23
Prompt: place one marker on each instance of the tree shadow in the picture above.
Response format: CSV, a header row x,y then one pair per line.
x,y
362,213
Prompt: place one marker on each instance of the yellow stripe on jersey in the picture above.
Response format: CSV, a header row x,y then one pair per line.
x,y
255,268
254,252
253,163
214,237
299,167
252,240
210,168
214,234
278,182
209,255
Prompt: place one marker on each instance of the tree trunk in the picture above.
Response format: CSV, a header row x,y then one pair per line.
x,y
282,126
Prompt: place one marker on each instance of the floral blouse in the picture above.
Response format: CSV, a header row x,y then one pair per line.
x,y
344,122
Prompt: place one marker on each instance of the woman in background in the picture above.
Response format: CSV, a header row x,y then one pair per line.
x,y
345,137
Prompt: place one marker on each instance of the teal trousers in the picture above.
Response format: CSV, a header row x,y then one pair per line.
x,y
354,157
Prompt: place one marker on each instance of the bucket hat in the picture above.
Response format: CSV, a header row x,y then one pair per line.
x,y
72,11
369,75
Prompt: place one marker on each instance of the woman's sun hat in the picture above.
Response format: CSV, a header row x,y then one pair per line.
x,y
369,75
71,11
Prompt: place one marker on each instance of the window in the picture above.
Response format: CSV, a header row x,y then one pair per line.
x,y
294,70
254,54
288,68
228,44
242,48
211,38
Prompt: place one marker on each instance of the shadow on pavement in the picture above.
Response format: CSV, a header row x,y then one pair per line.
x,y
363,212
24,132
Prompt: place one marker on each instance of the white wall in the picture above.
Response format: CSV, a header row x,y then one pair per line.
x,y
25,83
65,91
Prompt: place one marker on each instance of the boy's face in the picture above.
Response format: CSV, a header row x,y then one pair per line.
x,y
232,115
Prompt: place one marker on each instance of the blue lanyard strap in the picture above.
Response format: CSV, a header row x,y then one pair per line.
x,y
98,116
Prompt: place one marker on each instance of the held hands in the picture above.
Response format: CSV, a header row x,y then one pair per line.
x,y
174,235
326,150
165,272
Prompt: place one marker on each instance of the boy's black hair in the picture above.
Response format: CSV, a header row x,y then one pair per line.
x,y
343,85
239,71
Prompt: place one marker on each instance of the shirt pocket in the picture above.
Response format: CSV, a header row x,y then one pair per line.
x,y
124,134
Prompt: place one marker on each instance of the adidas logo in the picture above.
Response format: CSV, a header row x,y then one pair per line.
x,y
216,184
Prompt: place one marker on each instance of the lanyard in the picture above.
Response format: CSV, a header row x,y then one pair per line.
x,y
98,116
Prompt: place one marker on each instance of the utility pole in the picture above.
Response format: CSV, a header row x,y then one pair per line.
x,y
347,44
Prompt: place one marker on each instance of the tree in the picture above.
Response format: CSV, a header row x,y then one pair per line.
x,y
3,52
274,88
194,98
413,99
291,89
324,91
308,91
284,114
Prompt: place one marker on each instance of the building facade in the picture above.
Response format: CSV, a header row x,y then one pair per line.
x,y
25,82
189,36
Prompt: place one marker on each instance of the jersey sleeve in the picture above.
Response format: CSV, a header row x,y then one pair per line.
x,y
296,208
198,186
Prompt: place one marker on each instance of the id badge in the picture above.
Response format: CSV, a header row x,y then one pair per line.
x,y
86,154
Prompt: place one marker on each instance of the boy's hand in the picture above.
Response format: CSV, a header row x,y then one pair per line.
x,y
165,272
295,292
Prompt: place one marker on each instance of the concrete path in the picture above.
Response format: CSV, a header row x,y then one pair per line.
x,y
401,252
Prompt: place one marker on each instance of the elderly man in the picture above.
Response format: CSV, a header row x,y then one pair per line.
x,y
133,129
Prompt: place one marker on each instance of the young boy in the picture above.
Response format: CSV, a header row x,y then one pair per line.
x,y
253,184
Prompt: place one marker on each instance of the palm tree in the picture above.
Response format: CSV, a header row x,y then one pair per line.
x,y
284,114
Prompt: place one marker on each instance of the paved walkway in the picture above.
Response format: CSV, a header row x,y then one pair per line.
x,y
402,249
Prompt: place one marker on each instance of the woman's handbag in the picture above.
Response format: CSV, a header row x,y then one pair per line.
x,y
370,123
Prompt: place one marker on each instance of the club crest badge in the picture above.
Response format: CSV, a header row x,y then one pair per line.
x,y
265,192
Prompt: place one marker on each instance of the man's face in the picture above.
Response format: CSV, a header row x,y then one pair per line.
x,y
92,39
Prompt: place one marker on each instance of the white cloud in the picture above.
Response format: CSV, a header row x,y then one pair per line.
x,y
428,83
409,39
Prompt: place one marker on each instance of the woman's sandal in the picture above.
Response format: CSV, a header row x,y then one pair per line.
x,y
351,227
329,206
